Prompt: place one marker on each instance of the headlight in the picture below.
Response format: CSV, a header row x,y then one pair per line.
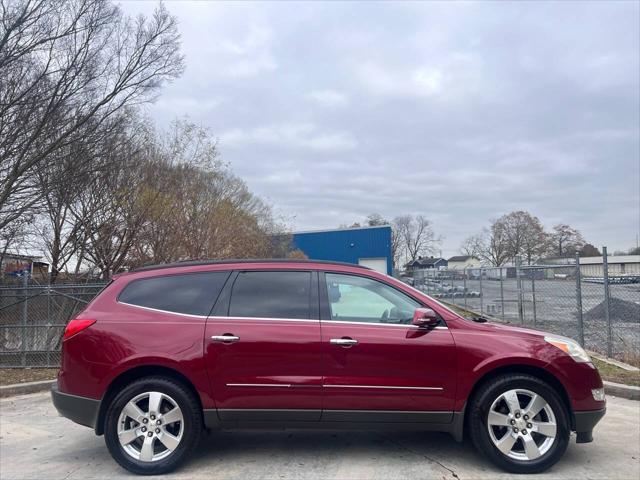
x,y
569,347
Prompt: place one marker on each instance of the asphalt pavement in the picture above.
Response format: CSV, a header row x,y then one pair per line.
x,y
35,443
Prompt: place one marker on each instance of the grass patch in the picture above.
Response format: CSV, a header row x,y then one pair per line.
x,y
9,376
616,374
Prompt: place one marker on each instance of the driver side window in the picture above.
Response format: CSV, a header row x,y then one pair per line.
x,y
359,299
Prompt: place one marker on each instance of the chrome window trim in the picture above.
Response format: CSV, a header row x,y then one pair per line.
x,y
161,311
271,319
248,319
377,324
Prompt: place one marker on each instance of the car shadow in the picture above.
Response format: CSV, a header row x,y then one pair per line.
x,y
330,450
318,454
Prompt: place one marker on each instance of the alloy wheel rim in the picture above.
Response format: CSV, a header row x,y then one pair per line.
x,y
150,426
522,424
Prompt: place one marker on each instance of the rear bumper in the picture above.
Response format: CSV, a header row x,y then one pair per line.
x,y
81,410
584,423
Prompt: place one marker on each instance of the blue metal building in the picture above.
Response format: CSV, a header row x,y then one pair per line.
x,y
367,246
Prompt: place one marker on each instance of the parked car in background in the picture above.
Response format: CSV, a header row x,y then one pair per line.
x,y
165,352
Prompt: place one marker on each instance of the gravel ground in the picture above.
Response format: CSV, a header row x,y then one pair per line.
x,y
35,443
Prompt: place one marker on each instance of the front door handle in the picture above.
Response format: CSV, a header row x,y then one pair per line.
x,y
343,342
226,338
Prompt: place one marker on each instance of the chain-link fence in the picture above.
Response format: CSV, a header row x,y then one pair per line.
x,y
601,312
33,318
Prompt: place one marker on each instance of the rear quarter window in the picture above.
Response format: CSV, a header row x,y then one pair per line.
x,y
190,293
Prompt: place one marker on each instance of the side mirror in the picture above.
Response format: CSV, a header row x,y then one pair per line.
x,y
425,317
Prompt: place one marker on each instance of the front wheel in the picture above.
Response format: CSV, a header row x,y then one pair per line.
x,y
520,423
152,425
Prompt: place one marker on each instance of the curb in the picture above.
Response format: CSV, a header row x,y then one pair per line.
x,y
621,390
24,388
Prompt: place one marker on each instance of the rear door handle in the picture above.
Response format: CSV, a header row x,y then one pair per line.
x,y
226,338
343,342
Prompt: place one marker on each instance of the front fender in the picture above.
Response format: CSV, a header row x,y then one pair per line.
x,y
473,374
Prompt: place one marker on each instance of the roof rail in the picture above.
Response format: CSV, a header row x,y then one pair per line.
x,y
191,263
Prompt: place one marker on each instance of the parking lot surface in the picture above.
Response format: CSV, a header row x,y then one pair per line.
x,y
36,443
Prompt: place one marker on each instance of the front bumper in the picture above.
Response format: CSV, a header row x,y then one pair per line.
x,y
584,423
81,410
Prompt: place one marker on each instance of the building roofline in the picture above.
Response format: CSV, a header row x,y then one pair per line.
x,y
21,256
347,229
462,257
194,263
427,261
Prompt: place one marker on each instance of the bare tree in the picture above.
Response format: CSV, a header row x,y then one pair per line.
x,y
65,69
474,246
491,245
57,228
564,241
376,220
515,234
416,236
589,250
60,228
112,212
194,207
12,236
523,234
520,233
497,251
108,190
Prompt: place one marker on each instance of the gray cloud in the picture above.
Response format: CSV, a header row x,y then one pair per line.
x,y
459,111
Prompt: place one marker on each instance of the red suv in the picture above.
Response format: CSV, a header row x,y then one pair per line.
x,y
165,352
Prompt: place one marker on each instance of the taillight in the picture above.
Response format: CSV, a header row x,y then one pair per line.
x,y
76,326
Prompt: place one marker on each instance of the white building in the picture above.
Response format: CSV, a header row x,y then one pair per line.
x,y
619,265
461,262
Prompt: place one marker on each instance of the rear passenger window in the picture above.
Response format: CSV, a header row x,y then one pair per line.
x,y
192,293
271,295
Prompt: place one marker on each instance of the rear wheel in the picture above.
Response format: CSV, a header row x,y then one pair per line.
x,y
520,423
152,425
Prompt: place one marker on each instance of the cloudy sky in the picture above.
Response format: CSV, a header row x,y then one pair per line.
x,y
458,111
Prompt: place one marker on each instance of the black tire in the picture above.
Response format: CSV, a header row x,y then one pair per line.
x,y
479,431
192,424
